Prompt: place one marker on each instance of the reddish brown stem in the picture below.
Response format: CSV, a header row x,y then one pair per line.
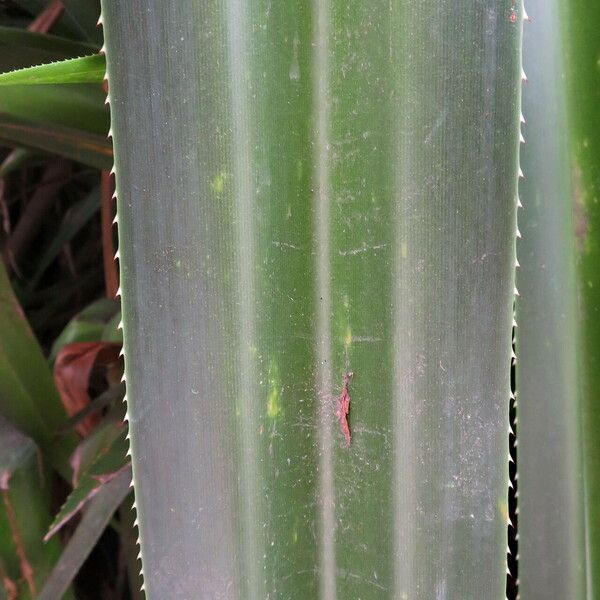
x,y
46,19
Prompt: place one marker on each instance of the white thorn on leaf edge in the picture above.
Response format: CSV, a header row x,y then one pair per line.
x,y
524,76
522,118
519,205
517,292
521,138
526,17
117,255
521,176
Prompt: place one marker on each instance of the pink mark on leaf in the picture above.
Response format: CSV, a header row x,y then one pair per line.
x,y
344,409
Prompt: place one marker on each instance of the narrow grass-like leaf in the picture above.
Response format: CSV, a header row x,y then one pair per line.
x,y
28,397
551,518
86,326
85,13
95,519
88,148
308,190
75,218
24,512
86,69
98,458
15,160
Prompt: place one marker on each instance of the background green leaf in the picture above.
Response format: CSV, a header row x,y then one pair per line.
x,y
28,397
88,148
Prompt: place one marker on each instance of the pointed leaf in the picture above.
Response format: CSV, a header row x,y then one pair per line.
x,y
87,69
28,397
87,148
88,532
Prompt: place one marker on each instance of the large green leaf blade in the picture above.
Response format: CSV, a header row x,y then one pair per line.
x,y
552,546
315,189
581,20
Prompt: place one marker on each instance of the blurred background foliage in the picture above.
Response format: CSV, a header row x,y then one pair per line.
x,y
66,528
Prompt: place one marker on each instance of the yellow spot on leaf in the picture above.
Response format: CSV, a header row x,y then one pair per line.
x,y
218,183
348,337
273,396
503,510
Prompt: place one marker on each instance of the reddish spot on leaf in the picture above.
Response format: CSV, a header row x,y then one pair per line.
x,y
344,409
72,370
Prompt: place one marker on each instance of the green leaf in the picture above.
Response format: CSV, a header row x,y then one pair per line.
x,y
15,160
552,546
28,397
24,511
75,218
84,539
87,69
580,21
307,190
79,106
88,148
97,459
86,326
108,398
20,48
